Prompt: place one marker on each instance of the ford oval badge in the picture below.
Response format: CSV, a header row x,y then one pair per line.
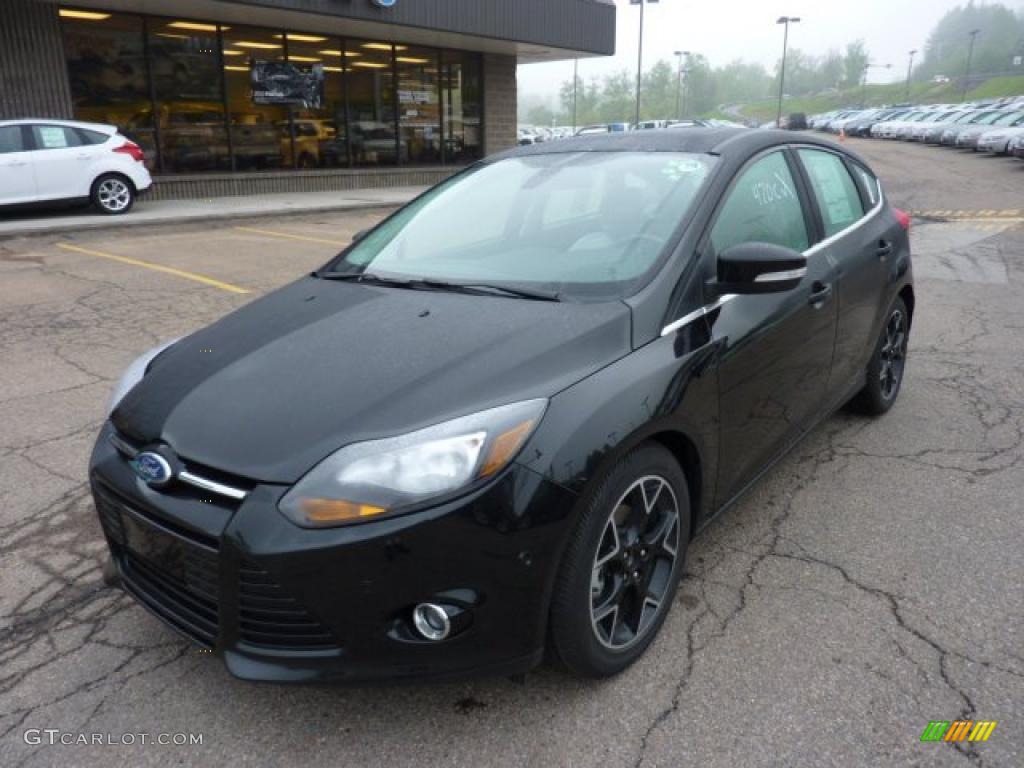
x,y
152,468
385,3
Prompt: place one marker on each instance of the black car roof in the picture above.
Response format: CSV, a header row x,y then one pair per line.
x,y
725,141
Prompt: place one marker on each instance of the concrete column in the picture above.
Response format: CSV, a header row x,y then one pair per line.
x,y
499,102
33,73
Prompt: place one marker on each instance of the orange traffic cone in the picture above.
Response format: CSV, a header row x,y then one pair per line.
x,y
842,135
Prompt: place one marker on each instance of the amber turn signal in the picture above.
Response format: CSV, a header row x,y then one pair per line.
x,y
505,446
323,511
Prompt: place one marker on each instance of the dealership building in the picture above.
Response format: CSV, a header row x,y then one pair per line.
x,y
246,96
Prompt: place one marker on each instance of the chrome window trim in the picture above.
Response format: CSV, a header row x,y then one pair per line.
x,y
697,314
814,249
213,487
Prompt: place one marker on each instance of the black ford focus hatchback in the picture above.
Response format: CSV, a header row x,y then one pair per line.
x,y
493,424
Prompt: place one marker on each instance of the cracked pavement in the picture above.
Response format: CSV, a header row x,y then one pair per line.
x,y
871,582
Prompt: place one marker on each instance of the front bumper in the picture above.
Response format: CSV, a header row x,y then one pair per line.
x,y
281,603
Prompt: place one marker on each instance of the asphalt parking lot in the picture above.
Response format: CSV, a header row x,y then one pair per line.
x,y
871,583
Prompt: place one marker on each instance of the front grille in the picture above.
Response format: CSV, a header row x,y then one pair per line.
x,y
269,617
110,517
189,604
178,580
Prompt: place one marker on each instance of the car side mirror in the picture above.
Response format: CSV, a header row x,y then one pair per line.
x,y
359,235
751,268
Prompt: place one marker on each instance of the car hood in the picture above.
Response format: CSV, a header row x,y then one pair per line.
x,y
275,387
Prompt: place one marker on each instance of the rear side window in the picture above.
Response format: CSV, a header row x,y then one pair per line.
x,y
834,190
55,137
870,184
11,139
762,207
87,137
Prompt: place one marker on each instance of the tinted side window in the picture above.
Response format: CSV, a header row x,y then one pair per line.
x,y
11,139
834,189
763,207
86,136
55,137
870,184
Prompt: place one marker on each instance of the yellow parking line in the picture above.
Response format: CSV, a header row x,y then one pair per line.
x,y
156,267
289,236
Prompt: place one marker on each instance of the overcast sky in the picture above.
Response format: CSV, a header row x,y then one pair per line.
x,y
724,30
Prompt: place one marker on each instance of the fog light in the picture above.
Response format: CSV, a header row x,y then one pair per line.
x,y
431,621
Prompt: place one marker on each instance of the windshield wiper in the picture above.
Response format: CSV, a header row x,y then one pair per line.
x,y
443,285
535,294
365,277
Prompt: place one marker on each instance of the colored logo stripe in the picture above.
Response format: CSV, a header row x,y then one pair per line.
x,y
982,731
958,730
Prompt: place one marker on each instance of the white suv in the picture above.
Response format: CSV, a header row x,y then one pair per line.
x,y
50,160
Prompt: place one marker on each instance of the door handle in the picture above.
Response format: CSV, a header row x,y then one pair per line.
x,y
15,164
884,250
83,156
820,292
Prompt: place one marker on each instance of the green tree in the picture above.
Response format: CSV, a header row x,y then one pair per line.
x,y
1000,32
855,62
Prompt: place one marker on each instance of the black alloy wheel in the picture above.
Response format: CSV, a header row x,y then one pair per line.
x,y
888,364
621,569
634,561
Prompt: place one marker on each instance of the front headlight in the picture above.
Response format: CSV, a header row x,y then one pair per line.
x,y
379,477
133,375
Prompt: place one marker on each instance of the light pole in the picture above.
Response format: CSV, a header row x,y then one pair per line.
x,y
910,71
679,79
786,20
640,54
864,87
575,88
970,54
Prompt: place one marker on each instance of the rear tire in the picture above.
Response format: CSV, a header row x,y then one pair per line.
x,y
113,194
888,363
619,575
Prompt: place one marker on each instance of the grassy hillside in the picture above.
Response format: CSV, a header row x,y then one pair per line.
x,y
889,93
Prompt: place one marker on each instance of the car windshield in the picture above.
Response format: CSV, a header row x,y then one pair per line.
x,y
582,224
1008,119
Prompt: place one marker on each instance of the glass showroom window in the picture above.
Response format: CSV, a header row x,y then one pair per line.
x,y
371,103
318,106
260,82
419,104
189,100
108,74
461,92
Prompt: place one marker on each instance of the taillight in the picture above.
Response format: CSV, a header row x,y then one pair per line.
x,y
133,149
903,218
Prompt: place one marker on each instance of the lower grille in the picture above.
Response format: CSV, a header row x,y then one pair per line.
x,y
110,517
190,605
173,575
269,617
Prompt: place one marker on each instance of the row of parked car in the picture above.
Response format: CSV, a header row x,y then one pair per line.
x,y
529,135
996,127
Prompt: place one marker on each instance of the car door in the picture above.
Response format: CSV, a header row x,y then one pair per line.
x,y
775,349
861,242
17,177
61,162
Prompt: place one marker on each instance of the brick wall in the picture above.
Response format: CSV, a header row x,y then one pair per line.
x,y
499,102
33,75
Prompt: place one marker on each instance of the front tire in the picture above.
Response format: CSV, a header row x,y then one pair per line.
x,y
888,363
623,564
112,194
